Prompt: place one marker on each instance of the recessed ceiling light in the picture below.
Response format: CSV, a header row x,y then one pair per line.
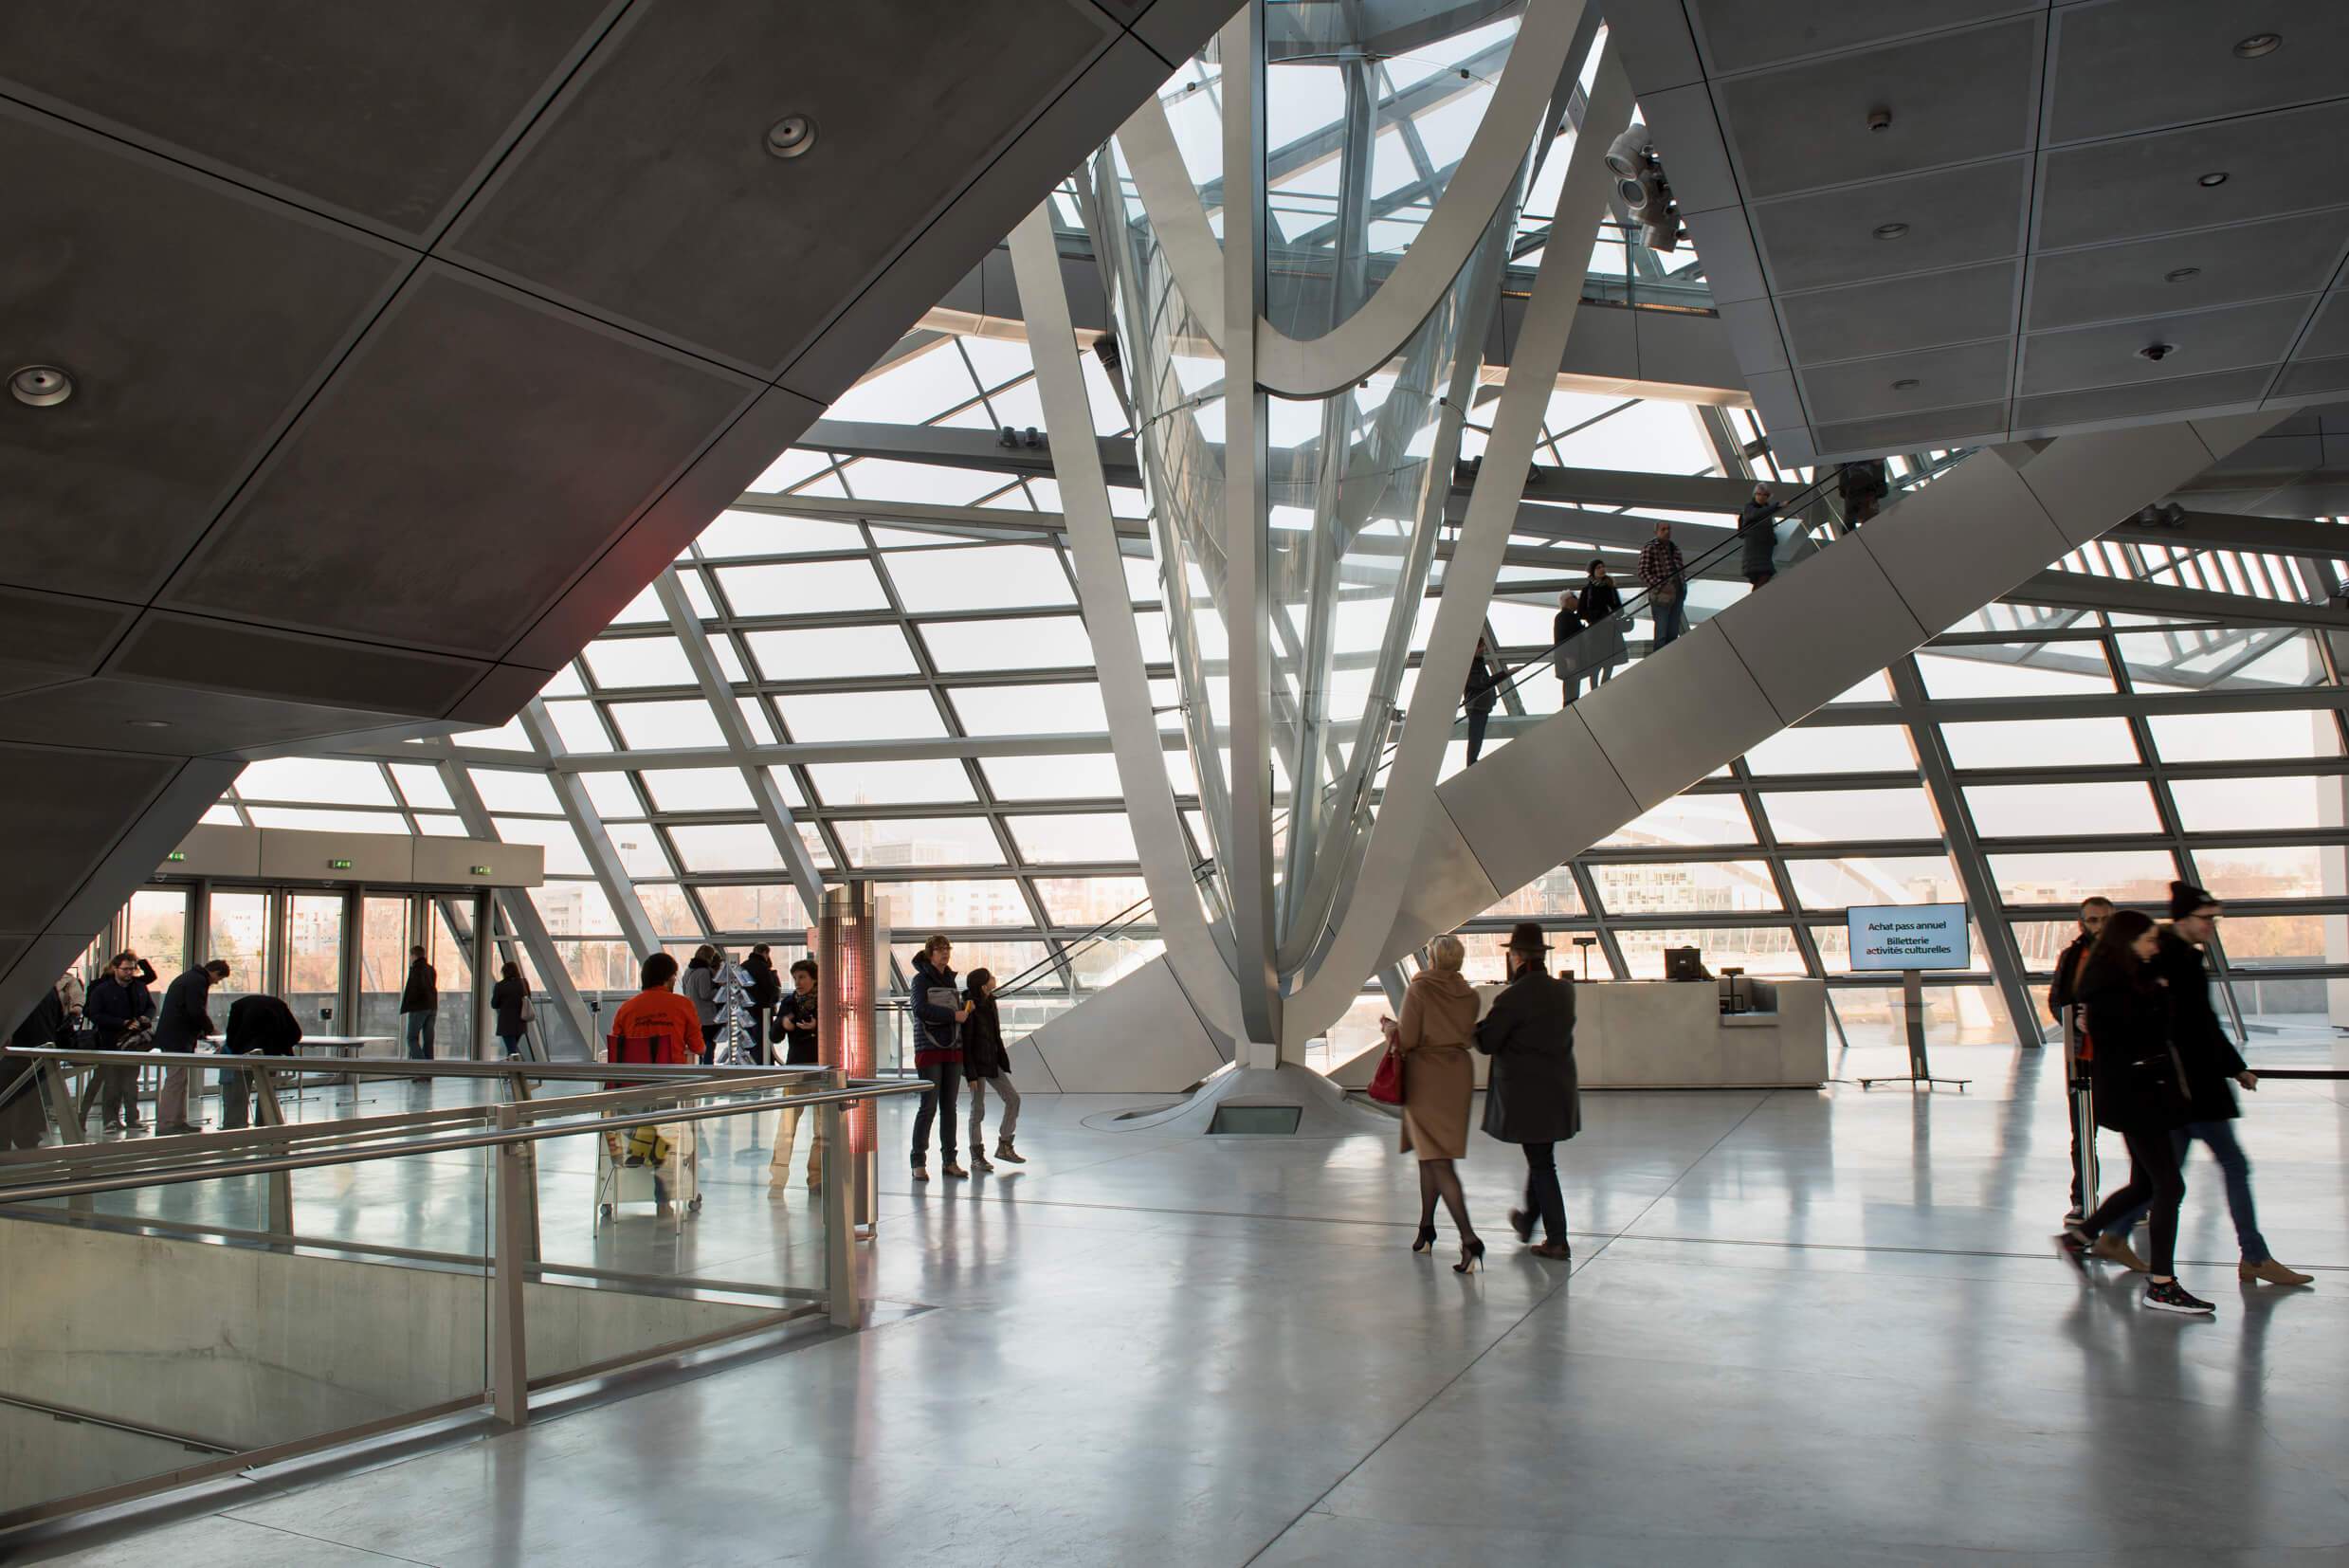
x,y
1880,120
2181,274
2216,176
791,135
150,723
1906,383
2157,352
1890,230
40,386
2257,44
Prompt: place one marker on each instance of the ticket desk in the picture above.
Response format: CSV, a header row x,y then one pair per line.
x,y
1672,1034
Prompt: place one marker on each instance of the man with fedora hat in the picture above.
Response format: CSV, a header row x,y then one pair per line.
x,y
1533,1099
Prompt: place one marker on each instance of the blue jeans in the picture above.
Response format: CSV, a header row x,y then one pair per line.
x,y
1668,617
2235,1168
418,1026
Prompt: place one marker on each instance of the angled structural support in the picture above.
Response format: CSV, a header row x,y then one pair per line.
x,y
774,812
587,823
522,912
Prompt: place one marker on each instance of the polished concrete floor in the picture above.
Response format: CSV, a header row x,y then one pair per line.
x,y
1799,1328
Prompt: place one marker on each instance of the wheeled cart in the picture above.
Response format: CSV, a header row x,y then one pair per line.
x,y
628,1160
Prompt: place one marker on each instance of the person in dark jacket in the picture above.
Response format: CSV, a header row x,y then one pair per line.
x,y
766,988
1599,602
2139,1096
796,1021
699,987
1533,1098
22,1122
987,1064
1758,531
180,1023
2211,1061
121,1008
2093,914
258,1024
1566,649
937,1053
510,999
1479,696
420,1007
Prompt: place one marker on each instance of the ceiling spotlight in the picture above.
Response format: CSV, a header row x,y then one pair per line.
x,y
40,386
2157,352
1906,383
2215,177
1890,230
791,135
1880,120
149,723
2257,44
1639,186
2179,275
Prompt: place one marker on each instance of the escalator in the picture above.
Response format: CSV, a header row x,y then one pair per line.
x,y
1853,602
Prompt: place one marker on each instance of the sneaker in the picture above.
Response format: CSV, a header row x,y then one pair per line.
x,y
2073,1248
1004,1151
955,1170
2113,1250
2170,1296
921,1172
2272,1272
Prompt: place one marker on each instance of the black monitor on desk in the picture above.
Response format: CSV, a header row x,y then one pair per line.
x,y
1684,964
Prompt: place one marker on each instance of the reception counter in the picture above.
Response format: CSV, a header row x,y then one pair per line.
x,y
1671,1034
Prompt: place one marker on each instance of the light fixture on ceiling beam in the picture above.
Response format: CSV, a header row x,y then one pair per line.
x,y
2214,178
2257,44
2179,275
40,386
1628,153
1641,185
2157,352
1906,383
1880,119
790,136
1890,230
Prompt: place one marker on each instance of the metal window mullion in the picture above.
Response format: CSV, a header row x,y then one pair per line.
x,y
1774,857
1601,927
587,825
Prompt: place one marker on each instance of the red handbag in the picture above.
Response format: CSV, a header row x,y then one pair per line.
x,y
1386,1084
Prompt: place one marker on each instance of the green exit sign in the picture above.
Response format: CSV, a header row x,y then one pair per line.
x,y
481,871
338,866
176,856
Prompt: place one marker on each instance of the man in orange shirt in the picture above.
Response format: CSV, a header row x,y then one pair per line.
x,y
655,1026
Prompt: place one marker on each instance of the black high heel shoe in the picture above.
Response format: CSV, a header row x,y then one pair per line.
x,y
1425,1239
1471,1254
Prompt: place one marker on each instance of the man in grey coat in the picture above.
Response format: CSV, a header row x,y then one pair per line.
x,y
1534,1099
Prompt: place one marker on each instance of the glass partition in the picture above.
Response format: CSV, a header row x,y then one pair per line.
x,y
314,944
383,964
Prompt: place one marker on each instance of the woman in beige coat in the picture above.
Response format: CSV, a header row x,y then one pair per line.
x,y
1438,1026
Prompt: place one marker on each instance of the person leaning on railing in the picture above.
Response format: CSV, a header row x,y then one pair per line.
x,y
258,1024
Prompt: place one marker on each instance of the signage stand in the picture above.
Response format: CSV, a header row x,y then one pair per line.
x,y
1912,1010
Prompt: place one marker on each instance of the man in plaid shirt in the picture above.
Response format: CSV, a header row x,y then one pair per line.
x,y
1661,570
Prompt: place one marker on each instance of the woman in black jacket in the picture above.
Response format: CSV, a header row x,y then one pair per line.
x,y
2141,1094
511,998
796,1021
987,1064
1598,603
766,990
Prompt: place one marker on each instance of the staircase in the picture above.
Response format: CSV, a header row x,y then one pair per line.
x,y
1831,620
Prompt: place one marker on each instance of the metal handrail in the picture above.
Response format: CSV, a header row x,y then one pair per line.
x,y
495,1137
399,1067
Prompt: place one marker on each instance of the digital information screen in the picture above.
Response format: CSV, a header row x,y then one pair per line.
x,y
1908,936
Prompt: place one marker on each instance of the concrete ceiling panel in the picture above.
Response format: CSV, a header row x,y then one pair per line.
x,y
54,636
385,113
2298,254
1955,97
194,317
2329,333
119,715
2229,337
448,483
2135,186
2308,378
2123,68
646,194
1926,310
1953,217
1946,377
1738,35
79,800
290,667
1658,52
2059,410
1910,431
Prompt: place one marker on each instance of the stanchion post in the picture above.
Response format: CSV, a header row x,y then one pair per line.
x,y
509,1366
